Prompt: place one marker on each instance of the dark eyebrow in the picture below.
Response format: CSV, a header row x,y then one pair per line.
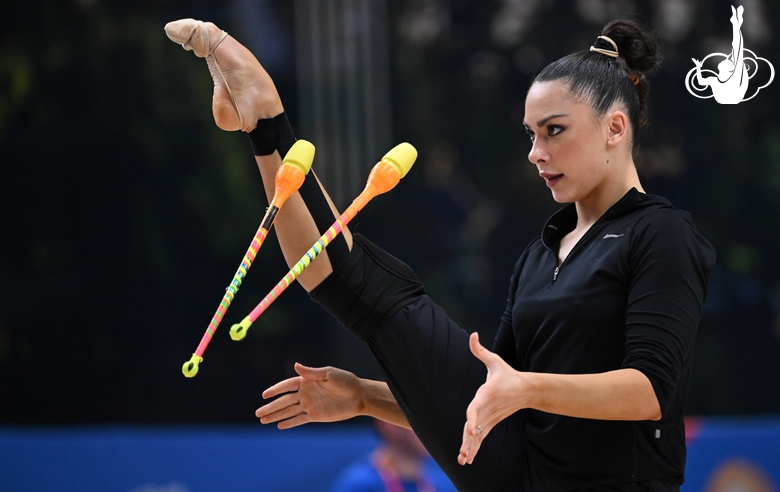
x,y
545,120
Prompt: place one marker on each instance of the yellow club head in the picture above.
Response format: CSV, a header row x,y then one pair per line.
x,y
190,368
401,157
300,155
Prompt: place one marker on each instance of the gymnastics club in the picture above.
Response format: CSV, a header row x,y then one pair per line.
x,y
383,178
289,178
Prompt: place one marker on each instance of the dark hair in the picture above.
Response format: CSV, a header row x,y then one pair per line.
x,y
602,80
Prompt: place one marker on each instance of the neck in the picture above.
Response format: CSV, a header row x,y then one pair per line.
x,y
592,207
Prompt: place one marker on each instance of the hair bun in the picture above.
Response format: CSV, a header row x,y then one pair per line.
x,y
636,45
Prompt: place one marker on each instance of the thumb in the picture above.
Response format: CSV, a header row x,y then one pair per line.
x,y
311,373
480,352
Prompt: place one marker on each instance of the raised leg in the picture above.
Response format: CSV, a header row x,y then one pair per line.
x,y
243,94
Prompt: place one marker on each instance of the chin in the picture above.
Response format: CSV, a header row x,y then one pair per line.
x,y
561,197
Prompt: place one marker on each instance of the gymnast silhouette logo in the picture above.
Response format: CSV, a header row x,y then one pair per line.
x,y
730,84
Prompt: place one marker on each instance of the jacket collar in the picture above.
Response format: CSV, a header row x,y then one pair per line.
x,y
564,220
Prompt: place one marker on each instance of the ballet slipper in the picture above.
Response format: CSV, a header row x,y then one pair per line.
x,y
243,91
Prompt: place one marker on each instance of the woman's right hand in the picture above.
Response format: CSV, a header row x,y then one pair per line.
x,y
318,394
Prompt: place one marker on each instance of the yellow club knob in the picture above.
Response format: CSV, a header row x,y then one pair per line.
x,y
238,331
190,368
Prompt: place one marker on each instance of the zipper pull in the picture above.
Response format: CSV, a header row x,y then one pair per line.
x,y
555,274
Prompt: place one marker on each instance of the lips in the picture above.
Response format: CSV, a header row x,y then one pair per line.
x,y
551,178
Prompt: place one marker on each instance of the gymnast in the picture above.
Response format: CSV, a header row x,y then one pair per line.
x,y
585,385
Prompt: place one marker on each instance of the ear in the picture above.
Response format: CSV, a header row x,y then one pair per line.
x,y
617,127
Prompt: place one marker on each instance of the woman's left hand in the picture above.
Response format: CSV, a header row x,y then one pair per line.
x,y
503,394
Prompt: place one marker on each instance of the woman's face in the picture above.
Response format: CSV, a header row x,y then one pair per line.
x,y
569,146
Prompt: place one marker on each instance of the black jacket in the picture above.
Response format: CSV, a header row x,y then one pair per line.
x,y
628,295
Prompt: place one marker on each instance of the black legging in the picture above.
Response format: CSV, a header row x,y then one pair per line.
x,y
424,356
425,359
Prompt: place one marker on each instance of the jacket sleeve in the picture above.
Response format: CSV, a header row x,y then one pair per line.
x,y
669,268
504,344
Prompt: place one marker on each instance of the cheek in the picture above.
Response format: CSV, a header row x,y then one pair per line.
x,y
591,168
585,166
577,157
588,152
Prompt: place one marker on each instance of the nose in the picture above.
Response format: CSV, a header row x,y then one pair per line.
x,y
537,154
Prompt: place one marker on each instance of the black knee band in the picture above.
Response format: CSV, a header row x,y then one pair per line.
x,y
367,288
276,133
272,134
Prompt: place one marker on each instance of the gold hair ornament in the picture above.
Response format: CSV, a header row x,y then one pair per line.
x,y
610,53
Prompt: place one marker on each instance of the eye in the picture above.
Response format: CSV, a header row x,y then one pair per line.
x,y
553,130
530,134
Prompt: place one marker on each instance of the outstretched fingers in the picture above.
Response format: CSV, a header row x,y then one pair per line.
x,y
491,360
476,428
318,394
494,401
472,441
286,386
287,410
282,408
301,419
479,423
294,384
312,373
